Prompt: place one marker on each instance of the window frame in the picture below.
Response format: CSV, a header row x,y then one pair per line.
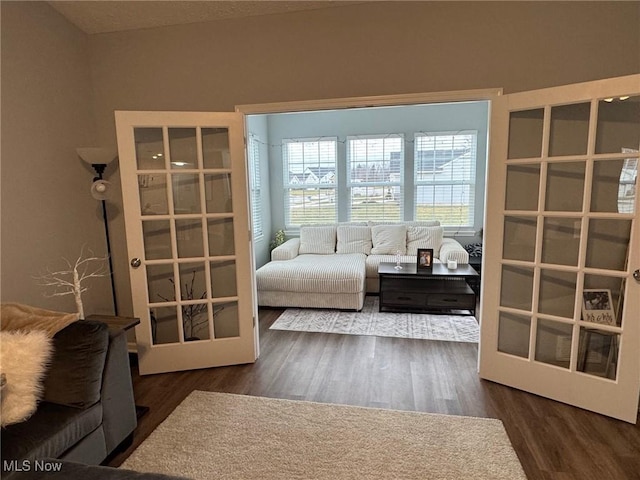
x,y
351,184
470,182
319,185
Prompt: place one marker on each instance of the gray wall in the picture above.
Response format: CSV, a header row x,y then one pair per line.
x,y
377,48
47,210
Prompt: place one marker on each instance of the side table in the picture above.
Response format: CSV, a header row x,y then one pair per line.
x,y
476,263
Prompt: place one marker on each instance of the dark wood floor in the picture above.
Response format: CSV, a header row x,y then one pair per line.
x,y
552,440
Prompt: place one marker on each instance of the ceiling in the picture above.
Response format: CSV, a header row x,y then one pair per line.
x,y
114,15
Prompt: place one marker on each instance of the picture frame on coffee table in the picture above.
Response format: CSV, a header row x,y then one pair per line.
x,y
424,259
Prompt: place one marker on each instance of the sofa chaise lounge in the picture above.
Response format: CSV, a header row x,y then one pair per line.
x,y
335,266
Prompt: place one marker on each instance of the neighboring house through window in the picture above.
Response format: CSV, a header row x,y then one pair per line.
x,y
374,166
309,179
445,177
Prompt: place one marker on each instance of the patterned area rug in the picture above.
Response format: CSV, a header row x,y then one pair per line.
x,y
450,328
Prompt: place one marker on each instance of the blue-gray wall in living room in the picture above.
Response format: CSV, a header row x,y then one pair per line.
x,y
257,125
405,120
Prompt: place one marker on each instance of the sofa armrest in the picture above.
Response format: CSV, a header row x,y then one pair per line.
x,y
287,251
452,250
118,406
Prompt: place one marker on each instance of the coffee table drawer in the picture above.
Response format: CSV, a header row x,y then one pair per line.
x,y
455,301
411,299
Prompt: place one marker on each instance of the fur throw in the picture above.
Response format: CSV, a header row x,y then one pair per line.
x,y
15,316
24,358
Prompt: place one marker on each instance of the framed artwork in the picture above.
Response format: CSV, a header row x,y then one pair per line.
x,y
597,306
425,259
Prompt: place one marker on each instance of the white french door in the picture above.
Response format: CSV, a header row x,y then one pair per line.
x,y
185,204
561,306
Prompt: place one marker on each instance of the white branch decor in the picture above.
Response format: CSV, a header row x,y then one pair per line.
x,y
71,280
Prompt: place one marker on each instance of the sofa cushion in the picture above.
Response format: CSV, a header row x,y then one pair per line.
x,y
424,237
51,431
75,376
314,274
389,239
318,240
23,362
354,239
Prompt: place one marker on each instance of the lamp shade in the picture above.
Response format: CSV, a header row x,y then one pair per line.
x,y
97,155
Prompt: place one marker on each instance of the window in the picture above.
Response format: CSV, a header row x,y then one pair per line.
x,y
445,175
255,185
375,164
310,180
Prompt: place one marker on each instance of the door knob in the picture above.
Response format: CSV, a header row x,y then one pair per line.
x,y
636,275
136,262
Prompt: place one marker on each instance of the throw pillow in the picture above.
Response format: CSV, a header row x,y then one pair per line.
x,y
23,361
318,240
15,316
352,239
389,239
75,376
424,237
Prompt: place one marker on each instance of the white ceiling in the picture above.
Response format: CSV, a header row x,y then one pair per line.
x,y
114,15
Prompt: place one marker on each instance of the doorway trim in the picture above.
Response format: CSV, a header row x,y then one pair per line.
x,y
371,101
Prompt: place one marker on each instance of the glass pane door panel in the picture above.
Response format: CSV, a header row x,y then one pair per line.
x,y
557,293
525,133
215,148
226,323
569,129
598,352
513,334
189,238
164,325
608,243
160,283
553,343
614,185
153,194
517,287
565,187
221,240
610,288
519,238
218,191
561,241
223,279
186,193
193,284
183,148
157,239
618,125
149,148
193,287
523,183
195,321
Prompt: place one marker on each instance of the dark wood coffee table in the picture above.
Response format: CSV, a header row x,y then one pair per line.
x,y
439,290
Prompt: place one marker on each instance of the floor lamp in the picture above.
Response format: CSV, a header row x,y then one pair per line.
x,y
99,158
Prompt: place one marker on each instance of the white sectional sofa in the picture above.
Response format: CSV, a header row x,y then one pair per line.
x,y
335,266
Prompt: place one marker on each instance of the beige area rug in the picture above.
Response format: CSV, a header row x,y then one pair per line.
x,y
224,436
369,321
